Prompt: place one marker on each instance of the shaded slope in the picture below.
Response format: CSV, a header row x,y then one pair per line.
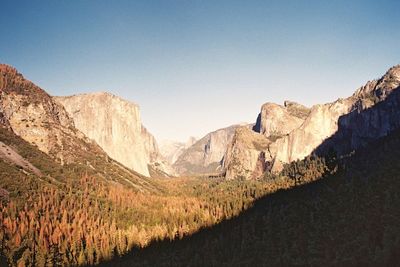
x,y
295,135
350,218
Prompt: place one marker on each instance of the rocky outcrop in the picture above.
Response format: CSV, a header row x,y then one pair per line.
x,y
252,152
38,136
374,114
276,121
32,114
205,155
346,124
115,124
321,123
246,155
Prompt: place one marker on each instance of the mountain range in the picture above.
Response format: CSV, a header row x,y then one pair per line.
x,y
281,133
82,182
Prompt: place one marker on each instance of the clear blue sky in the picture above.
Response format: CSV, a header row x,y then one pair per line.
x,y
195,66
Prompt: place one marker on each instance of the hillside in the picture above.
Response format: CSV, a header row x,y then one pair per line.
x,y
64,201
41,132
350,218
295,131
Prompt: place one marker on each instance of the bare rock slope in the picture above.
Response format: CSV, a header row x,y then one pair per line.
x,y
171,150
32,114
115,124
206,155
39,137
294,132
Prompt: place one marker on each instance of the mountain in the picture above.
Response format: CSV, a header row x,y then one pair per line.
x,y
39,139
65,201
115,124
206,154
275,120
171,150
350,218
294,132
31,114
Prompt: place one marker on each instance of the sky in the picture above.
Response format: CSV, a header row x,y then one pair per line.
x,y
197,66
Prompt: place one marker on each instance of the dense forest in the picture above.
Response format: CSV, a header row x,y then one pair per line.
x,y
73,217
351,217
79,221
90,221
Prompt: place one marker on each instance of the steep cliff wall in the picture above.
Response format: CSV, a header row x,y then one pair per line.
x,y
115,125
246,155
346,124
275,120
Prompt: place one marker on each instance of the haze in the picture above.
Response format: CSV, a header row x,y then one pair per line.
x,y
194,66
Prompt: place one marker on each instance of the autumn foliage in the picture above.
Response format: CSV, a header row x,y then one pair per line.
x,y
92,221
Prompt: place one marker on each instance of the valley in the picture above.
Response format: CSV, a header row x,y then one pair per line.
x,y
83,182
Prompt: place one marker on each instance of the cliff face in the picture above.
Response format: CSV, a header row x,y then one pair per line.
x,y
275,120
32,114
246,155
39,137
171,150
375,113
321,123
205,155
346,124
115,125
252,152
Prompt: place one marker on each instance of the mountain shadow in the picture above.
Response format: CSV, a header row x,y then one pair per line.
x,y
364,125
351,218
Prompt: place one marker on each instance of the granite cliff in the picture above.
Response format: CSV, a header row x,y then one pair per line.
x,y
206,155
39,138
171,150
115,124
294,132
32,114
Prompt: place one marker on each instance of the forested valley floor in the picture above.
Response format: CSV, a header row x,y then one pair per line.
x,y
348,218
317,212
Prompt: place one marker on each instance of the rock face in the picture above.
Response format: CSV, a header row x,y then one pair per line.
x,y
246,155
29,115
171,150
295,132
39,139
32,114
374,114
115,125
252,152
205,155
275,120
